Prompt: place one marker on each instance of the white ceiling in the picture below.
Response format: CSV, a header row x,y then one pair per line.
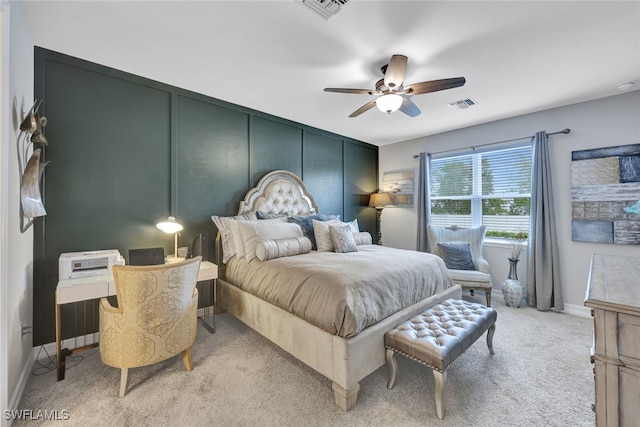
x,y
277,56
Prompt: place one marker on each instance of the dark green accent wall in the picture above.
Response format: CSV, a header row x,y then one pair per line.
x,y
126,152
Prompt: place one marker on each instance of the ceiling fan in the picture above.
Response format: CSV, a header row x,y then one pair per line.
x,y
390,93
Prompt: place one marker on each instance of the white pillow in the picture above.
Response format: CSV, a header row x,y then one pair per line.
x,y
237,237
254,231
224,227
362,238
323,235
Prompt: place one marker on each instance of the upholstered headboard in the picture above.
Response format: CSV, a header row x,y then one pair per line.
x,y
279,192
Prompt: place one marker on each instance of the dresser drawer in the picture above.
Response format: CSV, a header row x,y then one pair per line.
x,y
629,339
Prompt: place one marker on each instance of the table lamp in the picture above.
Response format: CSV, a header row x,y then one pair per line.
x,y
380,201
171,226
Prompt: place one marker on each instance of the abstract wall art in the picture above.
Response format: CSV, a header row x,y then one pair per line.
x,y
400,184
605,195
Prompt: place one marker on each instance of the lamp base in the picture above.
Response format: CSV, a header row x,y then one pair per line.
x,y
173,258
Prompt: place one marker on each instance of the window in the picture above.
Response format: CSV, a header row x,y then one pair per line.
x,y
492,187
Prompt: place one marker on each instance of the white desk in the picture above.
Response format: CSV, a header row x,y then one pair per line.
x,y
88,288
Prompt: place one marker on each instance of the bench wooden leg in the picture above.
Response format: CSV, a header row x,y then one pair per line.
x,y
441,378
391,360
490,333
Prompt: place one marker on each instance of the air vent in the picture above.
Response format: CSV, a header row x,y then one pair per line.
x,y
463,104
325,8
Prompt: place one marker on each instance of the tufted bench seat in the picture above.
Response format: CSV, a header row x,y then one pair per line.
x,y
438,336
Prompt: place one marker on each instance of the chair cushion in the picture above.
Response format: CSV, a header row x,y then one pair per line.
x,y
457,256
469,278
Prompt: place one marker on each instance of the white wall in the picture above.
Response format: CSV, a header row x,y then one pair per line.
x,y
16,250
605,122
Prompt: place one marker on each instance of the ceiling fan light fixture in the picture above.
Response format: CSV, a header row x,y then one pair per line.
x,y
389,103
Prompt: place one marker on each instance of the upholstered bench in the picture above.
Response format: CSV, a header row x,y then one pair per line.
x,y
438,336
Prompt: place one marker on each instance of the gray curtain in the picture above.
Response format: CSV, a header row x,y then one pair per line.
x,y
424,201
543,286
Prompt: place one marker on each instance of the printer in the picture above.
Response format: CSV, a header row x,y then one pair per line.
x,y
74,265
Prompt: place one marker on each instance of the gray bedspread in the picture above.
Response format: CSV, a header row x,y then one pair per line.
x,y
343,293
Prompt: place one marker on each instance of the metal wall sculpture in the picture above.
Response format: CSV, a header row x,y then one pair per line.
x,y
31,136
605,195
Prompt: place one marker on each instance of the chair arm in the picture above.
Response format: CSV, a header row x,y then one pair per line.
x,y
106,305
481,265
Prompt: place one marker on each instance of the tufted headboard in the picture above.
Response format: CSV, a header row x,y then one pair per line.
x,y
279,192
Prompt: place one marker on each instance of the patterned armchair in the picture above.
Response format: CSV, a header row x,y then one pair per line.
x,y
156,316
461,250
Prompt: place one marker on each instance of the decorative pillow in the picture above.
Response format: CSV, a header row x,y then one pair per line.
x,y
323,236
277,248
457,255
342,238
267,229
306,223
223,224
362,238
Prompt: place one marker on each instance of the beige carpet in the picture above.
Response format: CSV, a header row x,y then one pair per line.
x,y
539,376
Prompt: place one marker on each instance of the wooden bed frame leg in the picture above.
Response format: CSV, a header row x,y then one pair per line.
x,y
345,399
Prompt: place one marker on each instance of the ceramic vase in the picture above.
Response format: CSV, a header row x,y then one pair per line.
x,y
512,289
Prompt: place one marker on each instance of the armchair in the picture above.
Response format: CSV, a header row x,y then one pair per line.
x,y
156,316
461,250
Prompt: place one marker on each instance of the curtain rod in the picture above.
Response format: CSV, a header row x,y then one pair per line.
x,y
473,147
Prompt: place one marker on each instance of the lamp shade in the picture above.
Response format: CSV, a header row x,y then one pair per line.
x,y
389,103
170,225
380,200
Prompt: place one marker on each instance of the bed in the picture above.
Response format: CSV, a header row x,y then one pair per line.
x,y
349,345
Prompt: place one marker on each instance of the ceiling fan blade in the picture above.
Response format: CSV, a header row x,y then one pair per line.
x,y
366,107
394,75
409,108
434,85
356,91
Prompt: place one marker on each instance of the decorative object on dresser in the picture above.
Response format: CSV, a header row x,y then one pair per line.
x,y
461,250
380,201
612,293
31,133
170,226
156,317
512,289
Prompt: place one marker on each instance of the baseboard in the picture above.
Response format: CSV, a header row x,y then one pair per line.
x,y
577,310
70,343
21,386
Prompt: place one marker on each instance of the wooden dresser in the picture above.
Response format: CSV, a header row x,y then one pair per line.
x,y
613,293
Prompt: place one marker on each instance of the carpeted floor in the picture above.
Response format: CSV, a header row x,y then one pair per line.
x,y
539,376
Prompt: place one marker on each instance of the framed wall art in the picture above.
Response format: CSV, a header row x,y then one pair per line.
x,y
400,185
605,195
